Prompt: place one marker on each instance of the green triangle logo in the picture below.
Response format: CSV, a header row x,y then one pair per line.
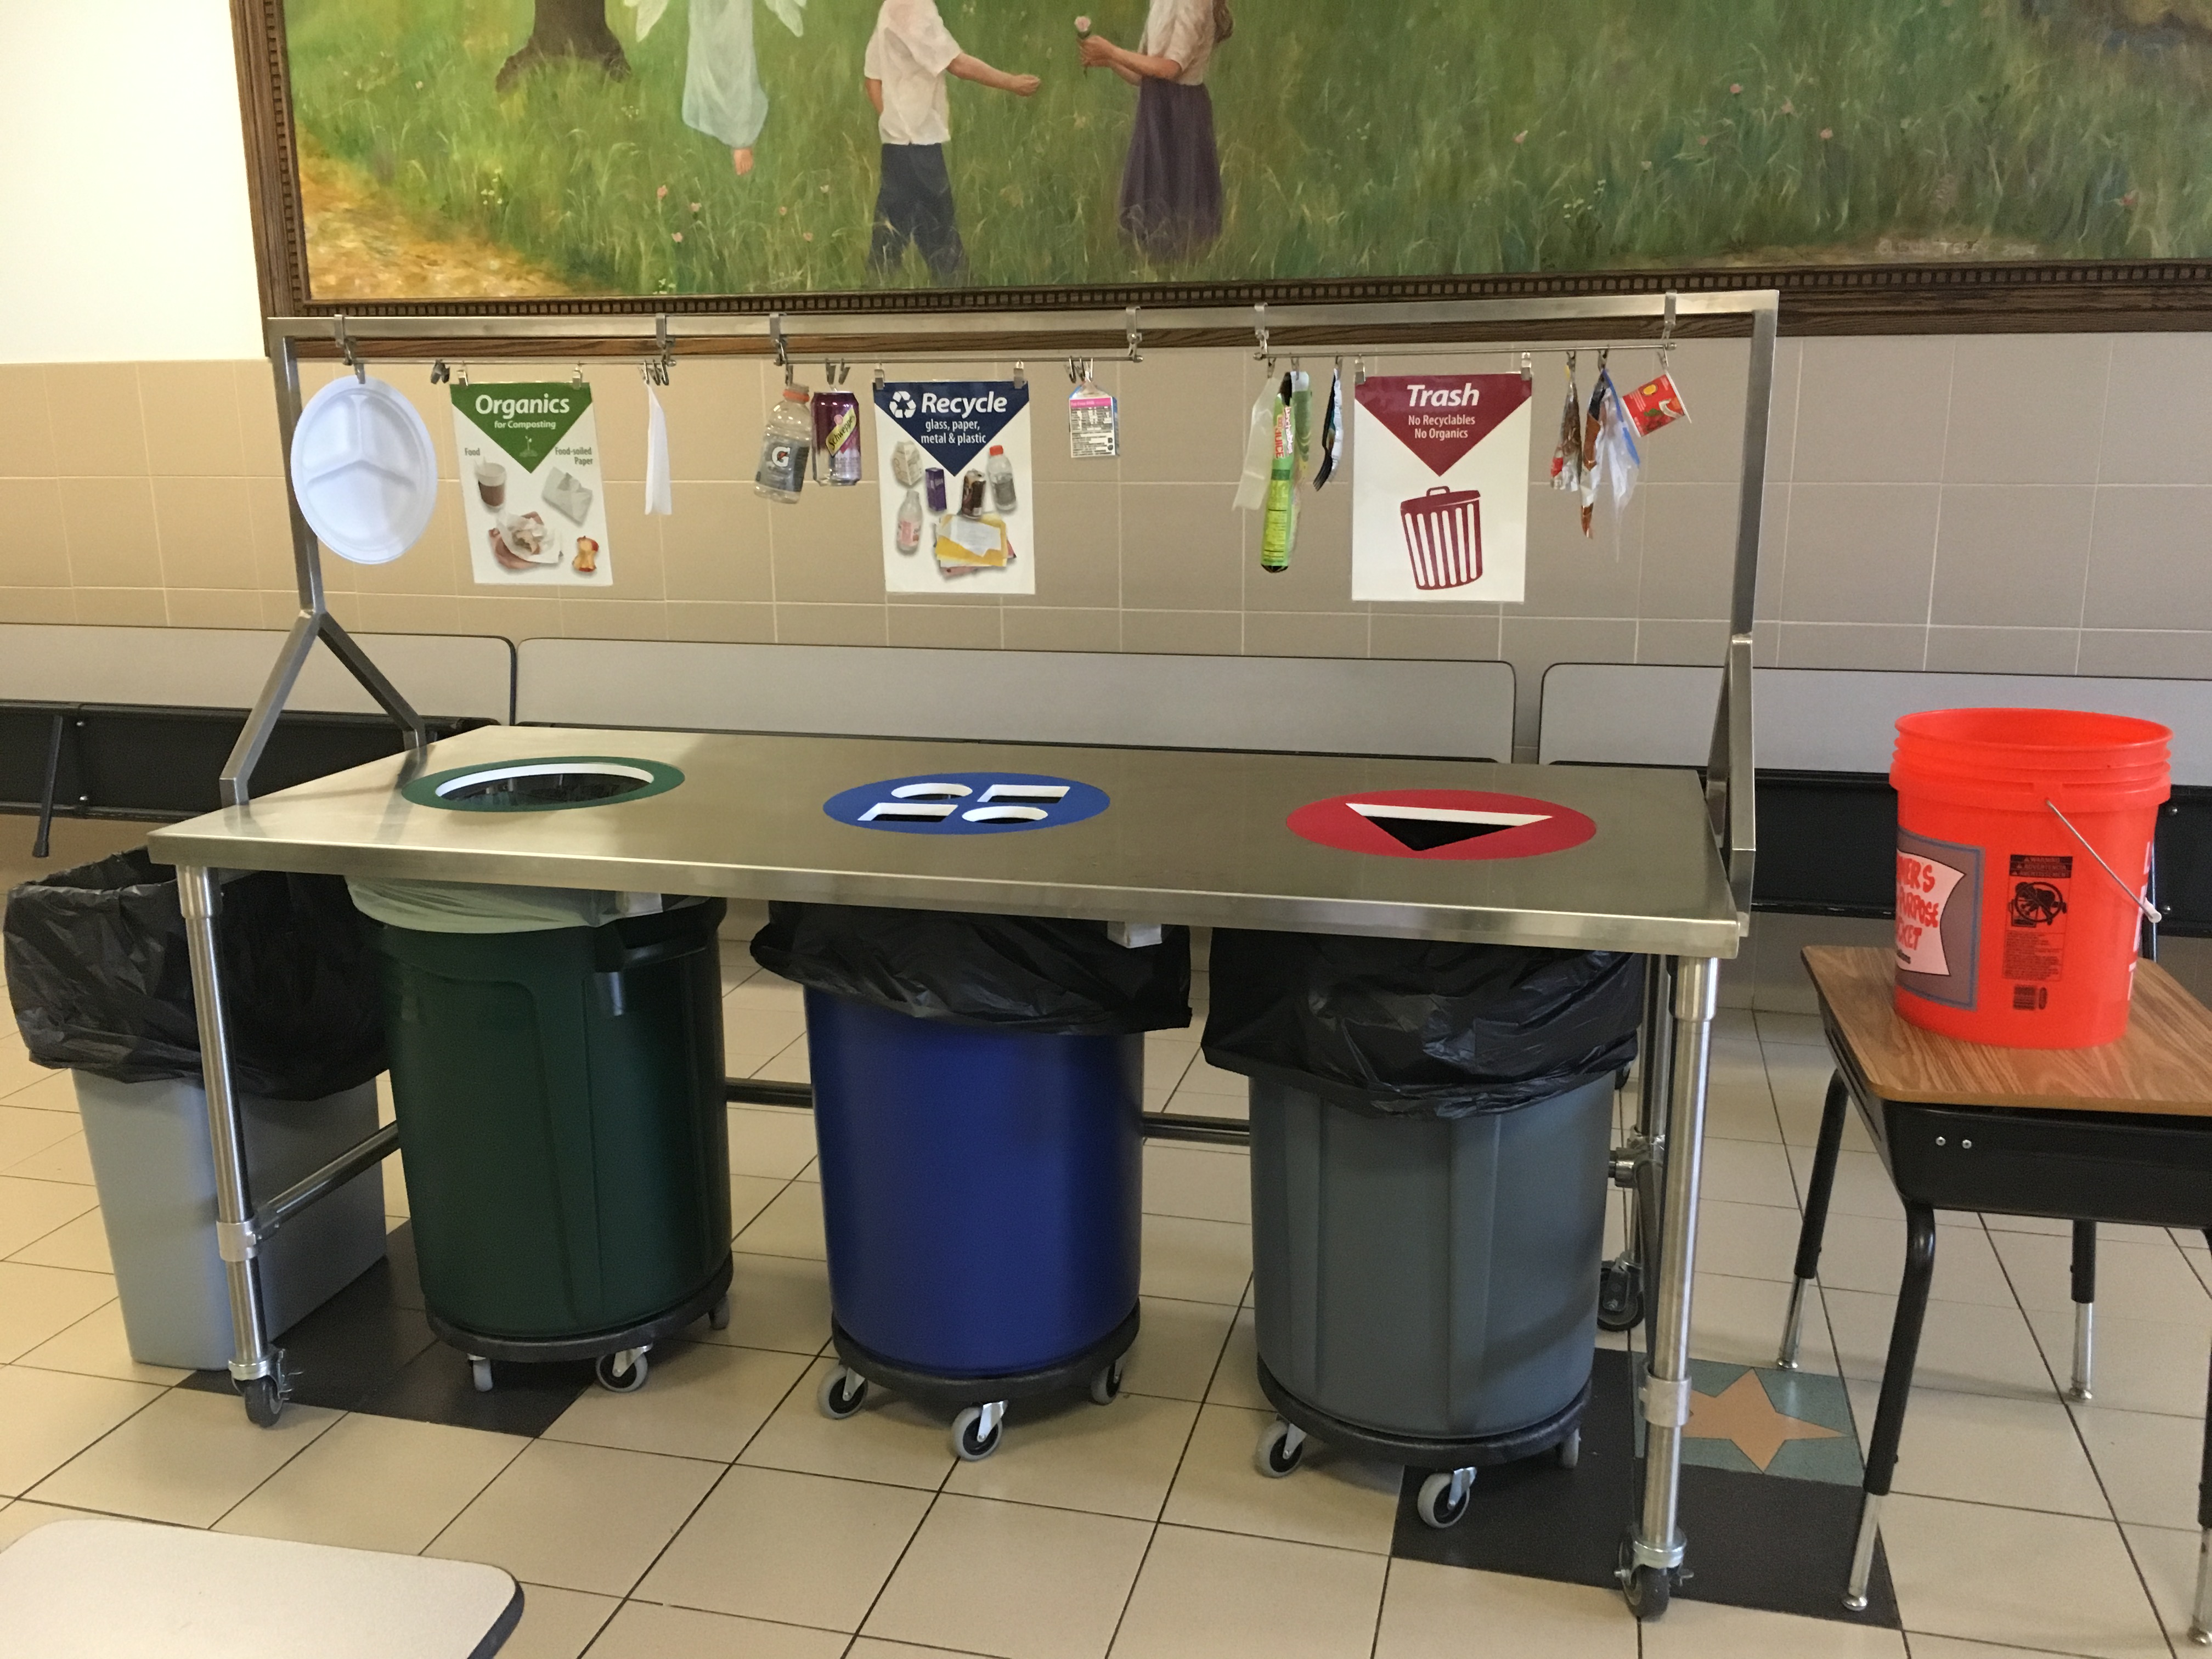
x,y
526,418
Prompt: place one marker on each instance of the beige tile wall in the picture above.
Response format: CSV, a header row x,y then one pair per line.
x,y
2030,503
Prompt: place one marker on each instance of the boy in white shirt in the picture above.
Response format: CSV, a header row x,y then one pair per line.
x,y
909,57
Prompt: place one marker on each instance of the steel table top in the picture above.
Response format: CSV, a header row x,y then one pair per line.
x,y
1191,836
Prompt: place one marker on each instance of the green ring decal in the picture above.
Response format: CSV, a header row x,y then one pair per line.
x,y
424,791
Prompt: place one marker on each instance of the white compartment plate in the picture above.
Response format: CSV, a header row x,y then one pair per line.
x,y
364,471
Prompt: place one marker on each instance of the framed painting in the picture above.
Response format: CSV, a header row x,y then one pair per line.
x,y
1890,164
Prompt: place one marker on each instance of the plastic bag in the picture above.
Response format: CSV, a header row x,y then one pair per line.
x,y
1418,1027
1014,973
102,982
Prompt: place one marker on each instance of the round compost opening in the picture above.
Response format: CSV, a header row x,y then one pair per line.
x,y
544,786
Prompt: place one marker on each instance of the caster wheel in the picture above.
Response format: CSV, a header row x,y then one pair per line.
x,y
1620,1296
1282,1448
621,1373
1571,1451
480,1373
972,1442
1106,1386
841,1394
265,1402
1646,1589
1435,1503
718,1317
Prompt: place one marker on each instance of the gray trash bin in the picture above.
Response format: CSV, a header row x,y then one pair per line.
x,y
155,1167
1431,1127
1429,1279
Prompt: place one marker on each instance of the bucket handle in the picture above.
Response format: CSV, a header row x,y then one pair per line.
x,y
2150,911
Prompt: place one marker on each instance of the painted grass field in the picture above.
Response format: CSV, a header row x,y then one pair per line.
x,y
1358,138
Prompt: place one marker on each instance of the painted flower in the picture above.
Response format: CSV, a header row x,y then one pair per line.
x,y
2130,199
678,235
661,195
781,211
1735,89
806,236
1789,108
695,207
1827,133
1083,26
1521,137
825,190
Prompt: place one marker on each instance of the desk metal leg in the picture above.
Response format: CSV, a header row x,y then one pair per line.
x,y
1625,1283
2200,1616
1896,1388
2085,1309
258,1368
1807,1268
1654,1548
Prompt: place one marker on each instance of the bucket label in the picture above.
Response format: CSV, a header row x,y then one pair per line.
x,y
1939,906
2035,920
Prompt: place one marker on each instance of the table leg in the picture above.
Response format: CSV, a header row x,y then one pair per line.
x,y
258,1370
1825,1153
1654,1547
2085,1308
2200,1615
1896,1386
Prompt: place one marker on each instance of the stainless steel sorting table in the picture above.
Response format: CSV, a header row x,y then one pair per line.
x,y
1191,836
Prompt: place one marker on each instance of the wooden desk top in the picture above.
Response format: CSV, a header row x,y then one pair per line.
x,y
2163,1065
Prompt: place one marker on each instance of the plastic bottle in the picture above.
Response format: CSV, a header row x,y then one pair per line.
x,y
1281,528
909,522
1001,473
787,446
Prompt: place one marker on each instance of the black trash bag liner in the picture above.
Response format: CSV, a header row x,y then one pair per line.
x,y
1418,1027
1012,973
102,980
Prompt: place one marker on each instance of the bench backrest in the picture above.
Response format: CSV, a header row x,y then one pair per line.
x,y
468,677
1829,720
1300,704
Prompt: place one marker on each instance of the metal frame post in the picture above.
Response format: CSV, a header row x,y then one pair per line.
x,y
314,620
1655,1541
200,897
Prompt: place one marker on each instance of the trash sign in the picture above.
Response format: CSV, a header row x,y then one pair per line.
x,y
1440,497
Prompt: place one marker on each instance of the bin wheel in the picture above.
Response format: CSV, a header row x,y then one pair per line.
x,y
1435,1503
621,1373
1106,1385
841,1394
1646,1589
1570,1449
971,1442
480,1373
265,1402
1282,1448
1619,1296
718,1317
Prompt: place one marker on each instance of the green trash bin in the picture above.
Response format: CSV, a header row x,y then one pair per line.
x,y
561,1121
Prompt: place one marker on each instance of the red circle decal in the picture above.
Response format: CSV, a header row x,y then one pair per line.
x,y
1442,824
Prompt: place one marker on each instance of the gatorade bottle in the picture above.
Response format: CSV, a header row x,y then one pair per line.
x,y
787,446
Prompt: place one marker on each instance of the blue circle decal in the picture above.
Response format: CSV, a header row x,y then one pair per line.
x,y
967,803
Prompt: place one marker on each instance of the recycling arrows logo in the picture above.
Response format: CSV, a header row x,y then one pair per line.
x,y
901,404
1441,824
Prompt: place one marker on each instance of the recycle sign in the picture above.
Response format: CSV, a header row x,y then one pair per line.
x,y
967,803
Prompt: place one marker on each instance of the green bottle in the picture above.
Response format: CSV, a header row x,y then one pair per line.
x,y
1280,532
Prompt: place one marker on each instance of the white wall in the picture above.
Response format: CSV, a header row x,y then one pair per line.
x,y
124,235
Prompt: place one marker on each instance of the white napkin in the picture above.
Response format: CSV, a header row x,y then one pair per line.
x,y
660,496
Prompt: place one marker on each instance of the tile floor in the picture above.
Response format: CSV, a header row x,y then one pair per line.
x,y
716,1513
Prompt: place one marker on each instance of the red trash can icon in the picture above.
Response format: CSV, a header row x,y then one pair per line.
x,y
1444,536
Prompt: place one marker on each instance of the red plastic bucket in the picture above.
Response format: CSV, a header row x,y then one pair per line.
x,y
2008,930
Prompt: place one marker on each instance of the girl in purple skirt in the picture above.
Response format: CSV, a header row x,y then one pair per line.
x,y
1172,186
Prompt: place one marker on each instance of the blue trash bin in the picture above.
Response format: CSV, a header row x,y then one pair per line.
x,y
982,1194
